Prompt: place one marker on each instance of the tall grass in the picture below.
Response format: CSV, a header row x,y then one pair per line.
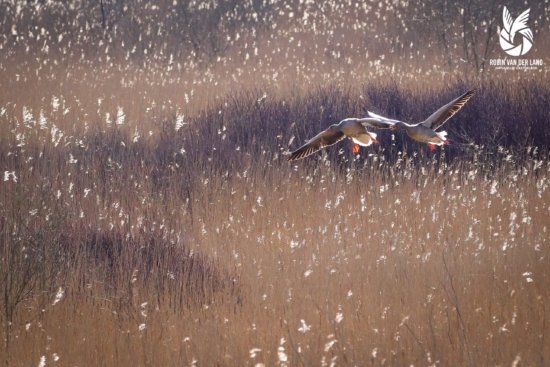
x,y
124,247
148,215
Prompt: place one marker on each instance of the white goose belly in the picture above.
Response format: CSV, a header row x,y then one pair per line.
x,y
424,135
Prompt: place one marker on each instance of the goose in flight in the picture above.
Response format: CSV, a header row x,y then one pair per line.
x,y
353,128
425,131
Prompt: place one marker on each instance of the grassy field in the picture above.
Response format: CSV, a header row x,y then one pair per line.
x,y
205,245
149,217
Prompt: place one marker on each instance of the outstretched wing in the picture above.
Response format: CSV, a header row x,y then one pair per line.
x,y
377,121
439,117
318,142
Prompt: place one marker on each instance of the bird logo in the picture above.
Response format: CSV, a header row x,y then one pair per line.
x,y
511,28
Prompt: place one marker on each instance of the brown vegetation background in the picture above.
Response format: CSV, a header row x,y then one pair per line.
x,y
148,215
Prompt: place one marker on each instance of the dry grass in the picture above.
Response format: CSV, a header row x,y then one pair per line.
x,y
148,215
412,262
433,268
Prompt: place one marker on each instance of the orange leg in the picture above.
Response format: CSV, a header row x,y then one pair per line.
x,y
431,147
354,148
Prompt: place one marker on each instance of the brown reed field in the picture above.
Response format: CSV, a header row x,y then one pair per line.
x,y
149,217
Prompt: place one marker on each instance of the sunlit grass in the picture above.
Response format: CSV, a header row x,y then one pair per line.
x,y
148,215
209,246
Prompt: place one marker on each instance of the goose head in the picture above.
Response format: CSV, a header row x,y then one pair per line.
x,y
397,125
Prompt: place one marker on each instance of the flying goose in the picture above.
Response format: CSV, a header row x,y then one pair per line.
x,y
425,131
353,128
